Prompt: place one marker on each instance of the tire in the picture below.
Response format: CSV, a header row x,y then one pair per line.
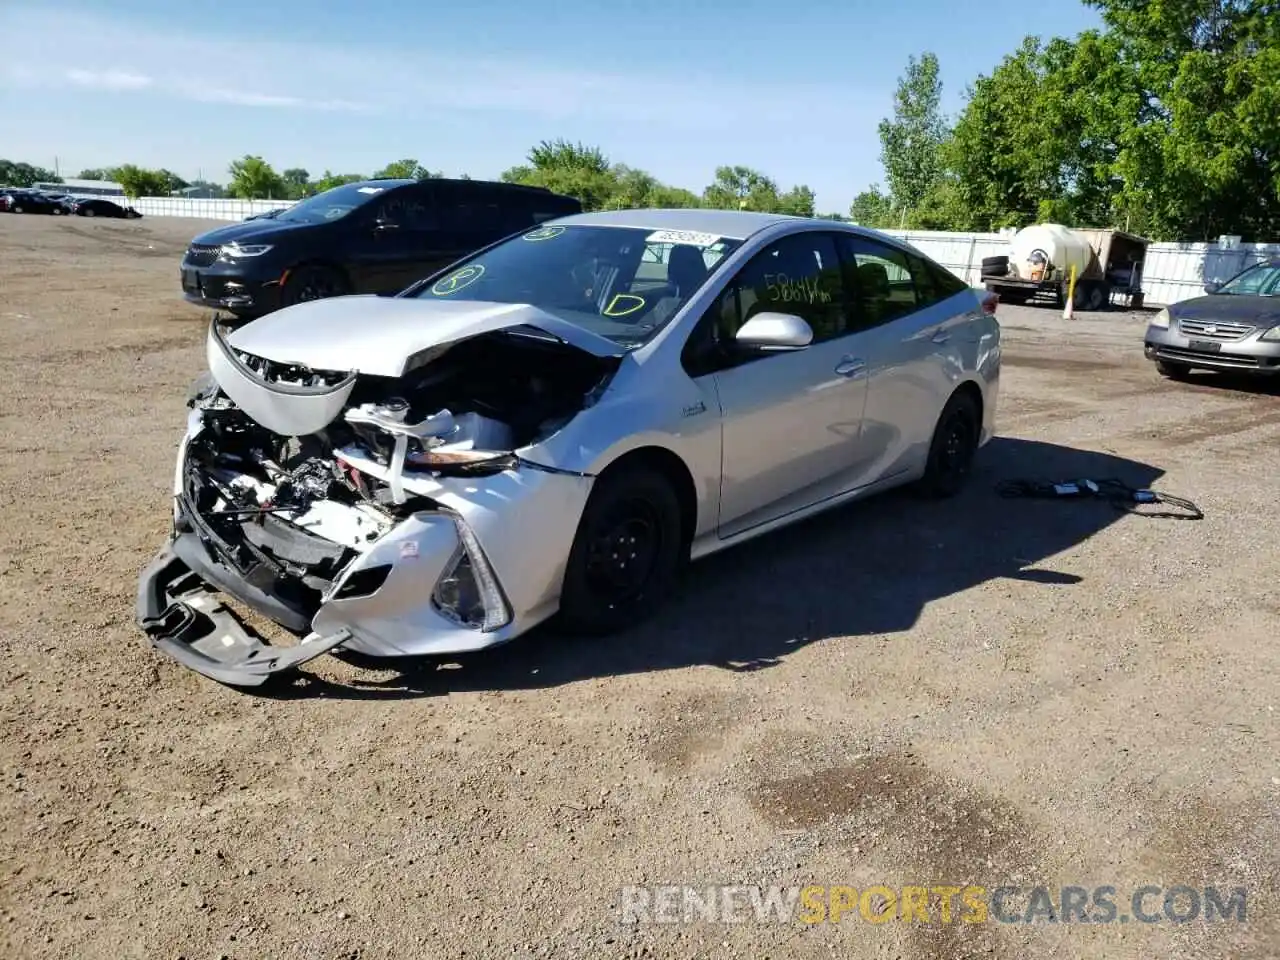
x,y
995,266
633,504
90,213
313,283
16,208
1174,371
56,211
951,452
1098,296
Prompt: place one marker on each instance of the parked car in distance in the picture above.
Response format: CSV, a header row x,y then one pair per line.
x,y
374,236
33,201
555,426
98,207
1234,327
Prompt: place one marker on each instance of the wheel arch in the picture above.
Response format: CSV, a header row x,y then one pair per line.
x,y
670,465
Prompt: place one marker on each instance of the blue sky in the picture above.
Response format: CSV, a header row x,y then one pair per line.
x,y
676,87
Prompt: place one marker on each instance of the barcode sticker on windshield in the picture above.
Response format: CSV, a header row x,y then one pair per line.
x,y
689,237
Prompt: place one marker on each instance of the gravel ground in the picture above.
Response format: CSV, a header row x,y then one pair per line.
x,y
985,691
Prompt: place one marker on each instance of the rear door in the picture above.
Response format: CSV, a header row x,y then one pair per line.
x,y
913,317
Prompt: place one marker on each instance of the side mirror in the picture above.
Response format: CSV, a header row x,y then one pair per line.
x,y
1213,286
774,331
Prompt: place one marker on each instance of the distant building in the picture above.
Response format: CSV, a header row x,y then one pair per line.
x,y
207,191
84,188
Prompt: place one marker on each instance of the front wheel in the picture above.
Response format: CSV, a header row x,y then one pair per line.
x,y
626,556
951,452
313,283
90,213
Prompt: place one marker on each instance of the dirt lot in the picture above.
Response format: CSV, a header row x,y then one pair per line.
x,y
987,691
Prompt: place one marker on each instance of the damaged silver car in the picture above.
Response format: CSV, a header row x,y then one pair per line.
x,y
554,426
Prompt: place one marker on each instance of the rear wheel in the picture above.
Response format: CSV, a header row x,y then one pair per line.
x,y
1174,371
1096,296
955,441
626,555
313,283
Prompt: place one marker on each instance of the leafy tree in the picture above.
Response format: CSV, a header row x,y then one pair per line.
x,y
666,197
175,182
573,169
297,182
252,178
141,182
93,173
741,188
404,170
798,202
911,141
331,180
18,174
1201,155
872,208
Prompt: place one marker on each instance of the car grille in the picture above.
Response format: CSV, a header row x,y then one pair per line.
x,y
1214,329
202,255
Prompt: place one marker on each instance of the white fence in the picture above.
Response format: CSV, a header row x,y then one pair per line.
x,y
1172,272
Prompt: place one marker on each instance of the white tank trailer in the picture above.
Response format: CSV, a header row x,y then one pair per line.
x,y
1108,266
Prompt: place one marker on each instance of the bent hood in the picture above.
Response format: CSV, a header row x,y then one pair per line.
x,y
1229,308
386,336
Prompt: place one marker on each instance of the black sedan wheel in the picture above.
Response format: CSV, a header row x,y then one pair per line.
x,y
627,553
313,283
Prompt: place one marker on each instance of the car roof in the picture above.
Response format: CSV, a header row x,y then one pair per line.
x,y
731,224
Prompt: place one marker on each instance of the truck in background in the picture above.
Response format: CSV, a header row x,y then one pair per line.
x,y
1108,265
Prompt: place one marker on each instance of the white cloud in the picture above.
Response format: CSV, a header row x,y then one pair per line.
x,y
270,74
108,79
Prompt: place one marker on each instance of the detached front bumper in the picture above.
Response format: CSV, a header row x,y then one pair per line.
x,y
184,617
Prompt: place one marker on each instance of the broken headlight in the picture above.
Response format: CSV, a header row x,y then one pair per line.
x,y
467,592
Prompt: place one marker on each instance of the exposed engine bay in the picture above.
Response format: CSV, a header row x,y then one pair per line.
x,y
290,514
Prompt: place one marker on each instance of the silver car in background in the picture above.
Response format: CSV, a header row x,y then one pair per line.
x,y
1235,327
555,426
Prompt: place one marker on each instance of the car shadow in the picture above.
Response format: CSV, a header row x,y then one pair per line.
x,y
1230,381
865,569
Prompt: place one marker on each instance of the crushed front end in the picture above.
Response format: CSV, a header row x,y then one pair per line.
x,y
378,521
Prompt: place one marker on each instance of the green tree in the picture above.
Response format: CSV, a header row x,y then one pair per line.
x,y
741,188
18,174
173,182
798,202
404,170
141,182
93,173
911,141
331,180
573,169
872,208
252,178
1201,155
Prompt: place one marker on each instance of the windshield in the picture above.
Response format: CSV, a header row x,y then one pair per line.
x,y
624,283
333,204
1260,280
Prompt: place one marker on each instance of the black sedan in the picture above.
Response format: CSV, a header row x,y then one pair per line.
x,y
97,207
32,201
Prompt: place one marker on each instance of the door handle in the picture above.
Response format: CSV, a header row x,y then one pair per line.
x,y
942,336
850,367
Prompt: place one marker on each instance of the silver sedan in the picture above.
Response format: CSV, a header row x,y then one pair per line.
x,y
553,427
